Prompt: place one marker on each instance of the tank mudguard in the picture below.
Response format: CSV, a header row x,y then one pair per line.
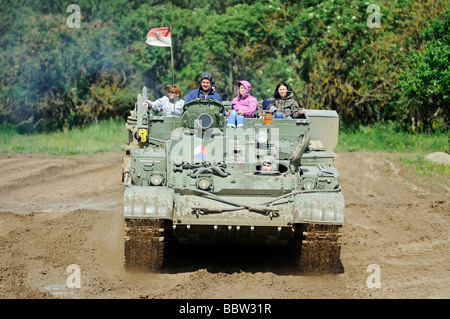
x,y
148,202
320,208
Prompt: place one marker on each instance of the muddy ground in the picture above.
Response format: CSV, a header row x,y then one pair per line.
x,y
62,211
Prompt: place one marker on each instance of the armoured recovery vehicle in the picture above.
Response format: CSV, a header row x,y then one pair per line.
x,y
191,179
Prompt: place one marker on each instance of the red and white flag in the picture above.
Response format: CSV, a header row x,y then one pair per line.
x,y
159,37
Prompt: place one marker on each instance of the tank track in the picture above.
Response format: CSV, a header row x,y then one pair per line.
x,y
318,248
147,244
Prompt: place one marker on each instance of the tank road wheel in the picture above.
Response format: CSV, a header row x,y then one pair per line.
x,y
317,249
147,243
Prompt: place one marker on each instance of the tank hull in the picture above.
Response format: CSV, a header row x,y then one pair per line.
x,y
233,219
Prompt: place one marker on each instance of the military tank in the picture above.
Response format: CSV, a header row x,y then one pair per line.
x,y
191,179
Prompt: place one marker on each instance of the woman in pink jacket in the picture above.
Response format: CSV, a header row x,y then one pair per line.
x,y
244,105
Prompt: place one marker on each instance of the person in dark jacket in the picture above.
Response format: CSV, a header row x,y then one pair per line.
x,y
285,103
205,91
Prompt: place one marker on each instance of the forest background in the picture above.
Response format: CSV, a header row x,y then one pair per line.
x,y
54,76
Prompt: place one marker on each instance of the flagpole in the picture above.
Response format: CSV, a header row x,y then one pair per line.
x,y
171,54
159,37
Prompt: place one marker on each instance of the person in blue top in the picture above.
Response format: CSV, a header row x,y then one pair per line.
x,y
205,91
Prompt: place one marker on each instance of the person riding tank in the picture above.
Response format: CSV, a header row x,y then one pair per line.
x,y
205,90
170,105
244,105
285,102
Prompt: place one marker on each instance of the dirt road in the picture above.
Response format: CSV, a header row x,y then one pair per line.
x,y
61,211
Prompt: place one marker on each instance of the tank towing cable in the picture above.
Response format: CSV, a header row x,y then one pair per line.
x,y
265,208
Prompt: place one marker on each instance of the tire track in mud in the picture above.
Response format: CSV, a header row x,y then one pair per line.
x,y
57,184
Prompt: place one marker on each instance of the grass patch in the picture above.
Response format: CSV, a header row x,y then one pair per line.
x,y
386,138
111,135
424,167
418,170
105,136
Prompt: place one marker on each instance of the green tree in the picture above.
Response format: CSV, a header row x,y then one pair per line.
x,y
425,82
324,50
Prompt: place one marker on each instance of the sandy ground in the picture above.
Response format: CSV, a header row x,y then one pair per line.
x,y
61,211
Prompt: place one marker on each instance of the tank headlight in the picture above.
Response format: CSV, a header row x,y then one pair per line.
x,y
262,137
204,183
156,179
308,185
